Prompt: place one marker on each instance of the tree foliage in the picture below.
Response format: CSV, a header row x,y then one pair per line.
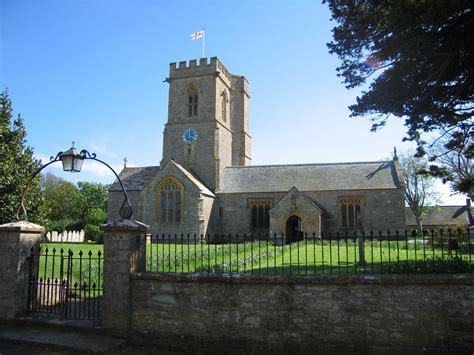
x,y
73,207
17,166
419,187
62,207
454,164
418,57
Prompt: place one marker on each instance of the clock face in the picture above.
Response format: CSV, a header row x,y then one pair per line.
x,y
190,135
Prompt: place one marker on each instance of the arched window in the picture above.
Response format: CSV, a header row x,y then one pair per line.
x,y
351,211
260,213
344,216
170,197
192,101
224,106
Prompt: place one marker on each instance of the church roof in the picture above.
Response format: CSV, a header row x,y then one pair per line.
x,y
311,177
134,179
440,216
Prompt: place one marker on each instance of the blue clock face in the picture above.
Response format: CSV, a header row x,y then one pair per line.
x,y
190,135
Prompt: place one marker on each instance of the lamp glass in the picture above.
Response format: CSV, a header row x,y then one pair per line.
x,y
77,164
71,160
67,161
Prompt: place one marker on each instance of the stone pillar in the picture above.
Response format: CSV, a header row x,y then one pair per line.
x,y
124,254
16,241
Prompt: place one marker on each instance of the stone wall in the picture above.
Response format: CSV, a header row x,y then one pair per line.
x,y
417,313
383,210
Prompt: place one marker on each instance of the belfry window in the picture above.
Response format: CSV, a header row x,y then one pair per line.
x,y
170,199
351,212
192,101
260,213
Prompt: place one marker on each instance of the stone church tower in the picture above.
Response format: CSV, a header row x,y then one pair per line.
x,y
207,128
205,186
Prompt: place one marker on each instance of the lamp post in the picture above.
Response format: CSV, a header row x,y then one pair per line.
x,y
72,161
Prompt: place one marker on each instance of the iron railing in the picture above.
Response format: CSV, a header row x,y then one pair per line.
x,y
67,283
343,253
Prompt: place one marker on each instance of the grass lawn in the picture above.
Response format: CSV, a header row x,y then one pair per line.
x,y
259,257
305,258
80,264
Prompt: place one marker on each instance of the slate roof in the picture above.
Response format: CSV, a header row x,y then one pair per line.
x,y
135,179
311,177
440,216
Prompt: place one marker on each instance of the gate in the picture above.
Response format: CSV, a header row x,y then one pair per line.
x,y
66,284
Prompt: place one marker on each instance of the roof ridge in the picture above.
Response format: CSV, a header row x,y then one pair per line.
x,y
142,167
310,164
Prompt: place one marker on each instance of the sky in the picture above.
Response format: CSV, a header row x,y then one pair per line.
x,y
91,72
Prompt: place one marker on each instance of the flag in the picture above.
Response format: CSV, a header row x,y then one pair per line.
x,y
197,35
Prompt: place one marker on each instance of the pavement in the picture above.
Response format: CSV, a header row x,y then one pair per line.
x,y
32,337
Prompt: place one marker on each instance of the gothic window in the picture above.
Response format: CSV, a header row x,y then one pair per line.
x,y
260,213
170,197
224,106
351,208
192,101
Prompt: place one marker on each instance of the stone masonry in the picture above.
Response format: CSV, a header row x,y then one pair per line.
x,y
219,187
16,241
372,314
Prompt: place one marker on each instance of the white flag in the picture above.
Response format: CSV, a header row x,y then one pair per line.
x,y
197,35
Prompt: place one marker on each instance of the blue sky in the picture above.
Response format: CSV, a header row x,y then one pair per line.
x,y
92,71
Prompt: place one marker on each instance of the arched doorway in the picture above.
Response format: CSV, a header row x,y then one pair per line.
x,y
294,229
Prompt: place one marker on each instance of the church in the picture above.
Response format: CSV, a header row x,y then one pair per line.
x,y
205,183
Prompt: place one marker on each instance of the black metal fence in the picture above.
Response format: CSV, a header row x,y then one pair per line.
x,y
343,253
65,283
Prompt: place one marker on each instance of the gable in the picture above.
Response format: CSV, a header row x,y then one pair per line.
x,y
294,200
173,169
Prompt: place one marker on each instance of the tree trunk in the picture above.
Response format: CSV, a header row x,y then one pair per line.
x,y
419,224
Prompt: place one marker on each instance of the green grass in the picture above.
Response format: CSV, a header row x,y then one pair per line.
x,y
85,273
261,258
305,258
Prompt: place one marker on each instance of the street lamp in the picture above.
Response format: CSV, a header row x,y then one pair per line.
x,y
72,162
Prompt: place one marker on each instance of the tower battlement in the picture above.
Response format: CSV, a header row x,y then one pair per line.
x,y
203,66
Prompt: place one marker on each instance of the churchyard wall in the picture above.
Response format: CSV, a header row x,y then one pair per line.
x,y
298,315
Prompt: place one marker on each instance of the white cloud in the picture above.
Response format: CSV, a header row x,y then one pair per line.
x,y
101,150
99,169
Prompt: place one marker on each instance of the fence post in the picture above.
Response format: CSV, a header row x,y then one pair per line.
x,y
16,241
124,254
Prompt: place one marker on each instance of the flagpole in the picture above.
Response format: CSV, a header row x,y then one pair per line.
x,y
203,40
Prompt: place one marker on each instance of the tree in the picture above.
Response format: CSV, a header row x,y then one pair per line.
x,y
68,206
17,166
419,58
419,189
94,208
62,203
454,165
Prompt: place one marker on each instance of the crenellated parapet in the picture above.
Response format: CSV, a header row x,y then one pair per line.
x,y
195,67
